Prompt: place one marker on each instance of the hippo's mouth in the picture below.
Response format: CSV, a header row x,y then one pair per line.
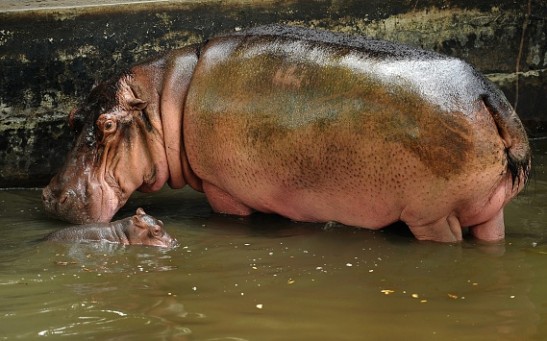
x,y
166,241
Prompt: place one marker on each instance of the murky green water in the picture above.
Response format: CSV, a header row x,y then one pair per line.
x,y
266,278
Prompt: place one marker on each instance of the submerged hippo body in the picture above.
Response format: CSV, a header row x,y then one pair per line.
x,y
311,125
140,229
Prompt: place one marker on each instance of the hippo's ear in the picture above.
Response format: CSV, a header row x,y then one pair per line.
x,y
136,103
139,222
129,97
140,211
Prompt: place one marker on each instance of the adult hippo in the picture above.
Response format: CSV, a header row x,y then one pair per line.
x,y
311,125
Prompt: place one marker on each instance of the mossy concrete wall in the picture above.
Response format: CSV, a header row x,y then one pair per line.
x,y
52,52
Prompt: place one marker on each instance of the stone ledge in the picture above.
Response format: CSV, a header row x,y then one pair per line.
x,y
51,53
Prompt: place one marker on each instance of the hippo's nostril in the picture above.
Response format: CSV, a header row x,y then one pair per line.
x,y
67,195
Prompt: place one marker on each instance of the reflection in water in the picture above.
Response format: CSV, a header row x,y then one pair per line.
x,y
267,278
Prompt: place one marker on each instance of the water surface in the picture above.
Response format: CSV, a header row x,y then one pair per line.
x,y
267,278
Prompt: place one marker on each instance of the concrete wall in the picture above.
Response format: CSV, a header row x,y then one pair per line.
x,y
52,52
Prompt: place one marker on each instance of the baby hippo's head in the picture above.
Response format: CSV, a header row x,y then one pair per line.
x,y
147,230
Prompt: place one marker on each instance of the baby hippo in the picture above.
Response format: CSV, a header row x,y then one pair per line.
x,y
140,229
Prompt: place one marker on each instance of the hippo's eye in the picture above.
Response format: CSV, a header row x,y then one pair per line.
x,y
156,230
109,126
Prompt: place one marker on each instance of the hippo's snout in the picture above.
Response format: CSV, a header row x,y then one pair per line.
x,y
77,196
172,242
65,204
164,237
165,240
50,201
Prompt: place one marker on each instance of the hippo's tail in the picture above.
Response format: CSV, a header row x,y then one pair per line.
x,y
512,133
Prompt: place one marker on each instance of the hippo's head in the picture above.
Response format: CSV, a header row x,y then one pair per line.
x,y
119,148
147,230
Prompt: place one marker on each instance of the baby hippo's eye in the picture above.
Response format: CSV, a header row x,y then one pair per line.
x,y
156,231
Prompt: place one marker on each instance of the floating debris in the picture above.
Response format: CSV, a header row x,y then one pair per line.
x,y
64,263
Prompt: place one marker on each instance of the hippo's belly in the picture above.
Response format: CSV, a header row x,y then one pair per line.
x,y
317,141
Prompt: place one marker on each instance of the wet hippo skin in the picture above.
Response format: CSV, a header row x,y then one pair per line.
x,y
308,124
140,229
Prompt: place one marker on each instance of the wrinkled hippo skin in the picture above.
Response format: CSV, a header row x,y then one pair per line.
x,y
311,125
140,229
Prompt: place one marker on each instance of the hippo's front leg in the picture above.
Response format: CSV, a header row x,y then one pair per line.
x,y
492,230
223,202
447,229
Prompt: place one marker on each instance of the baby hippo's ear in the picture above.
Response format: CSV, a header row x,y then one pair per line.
x,y
138,220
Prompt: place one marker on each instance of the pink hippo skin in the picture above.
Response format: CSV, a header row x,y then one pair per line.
x,y
140,229
311,125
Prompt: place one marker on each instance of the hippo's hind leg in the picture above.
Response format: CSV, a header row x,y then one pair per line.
x,y
492,230
447,229
223,202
